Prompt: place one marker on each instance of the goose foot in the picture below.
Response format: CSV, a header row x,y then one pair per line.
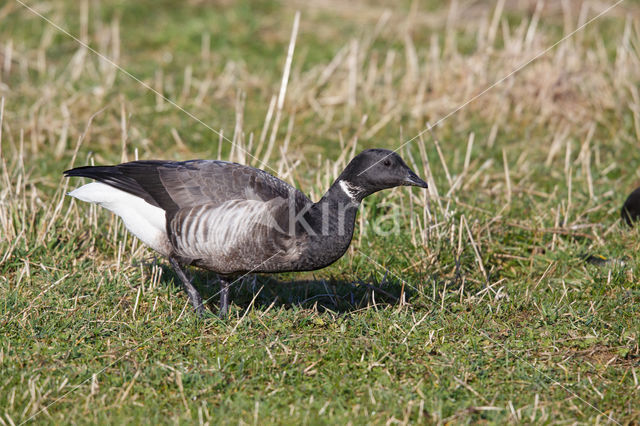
x,y
224,297
194,296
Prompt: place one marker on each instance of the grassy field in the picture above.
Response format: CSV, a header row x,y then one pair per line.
x,y
469,302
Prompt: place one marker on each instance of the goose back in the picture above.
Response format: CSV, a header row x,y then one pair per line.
x,y
174,185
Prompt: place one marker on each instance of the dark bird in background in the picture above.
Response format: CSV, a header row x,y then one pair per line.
x,y
630,211
234,219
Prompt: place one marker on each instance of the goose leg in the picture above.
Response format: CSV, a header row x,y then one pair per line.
x,y
224,297
194,296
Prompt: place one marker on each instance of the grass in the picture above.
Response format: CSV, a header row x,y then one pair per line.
x,y
478,306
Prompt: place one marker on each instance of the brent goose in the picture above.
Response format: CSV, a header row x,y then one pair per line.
x,y
630,211
234,219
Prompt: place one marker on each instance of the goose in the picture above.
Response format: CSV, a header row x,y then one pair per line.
x,y
630,211
234,219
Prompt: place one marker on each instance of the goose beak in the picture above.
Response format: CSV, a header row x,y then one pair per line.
x,y
414,180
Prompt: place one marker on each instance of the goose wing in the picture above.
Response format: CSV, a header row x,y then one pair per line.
x,y
190,182
174,185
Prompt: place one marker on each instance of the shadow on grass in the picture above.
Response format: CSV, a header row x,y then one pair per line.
x,y
323,295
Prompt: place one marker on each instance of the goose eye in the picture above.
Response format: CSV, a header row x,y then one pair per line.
x,y
387,163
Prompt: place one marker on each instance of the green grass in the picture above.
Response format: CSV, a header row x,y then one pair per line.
x,y
478,307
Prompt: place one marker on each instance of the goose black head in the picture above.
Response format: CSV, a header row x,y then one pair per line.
x,y
374,170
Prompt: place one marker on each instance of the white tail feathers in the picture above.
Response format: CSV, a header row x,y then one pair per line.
x,y
145,221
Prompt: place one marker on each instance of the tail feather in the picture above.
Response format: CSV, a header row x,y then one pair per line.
x,y
113,176
139,178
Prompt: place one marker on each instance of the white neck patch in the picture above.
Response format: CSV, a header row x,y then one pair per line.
x,y
351,190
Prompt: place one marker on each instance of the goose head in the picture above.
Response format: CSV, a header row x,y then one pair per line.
x,y
374,170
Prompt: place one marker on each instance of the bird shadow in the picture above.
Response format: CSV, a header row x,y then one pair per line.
x,y
265,292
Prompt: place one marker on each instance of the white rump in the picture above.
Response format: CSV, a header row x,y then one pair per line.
x,y
145,221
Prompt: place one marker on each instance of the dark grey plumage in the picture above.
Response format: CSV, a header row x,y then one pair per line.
x,y
630,211
235,219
